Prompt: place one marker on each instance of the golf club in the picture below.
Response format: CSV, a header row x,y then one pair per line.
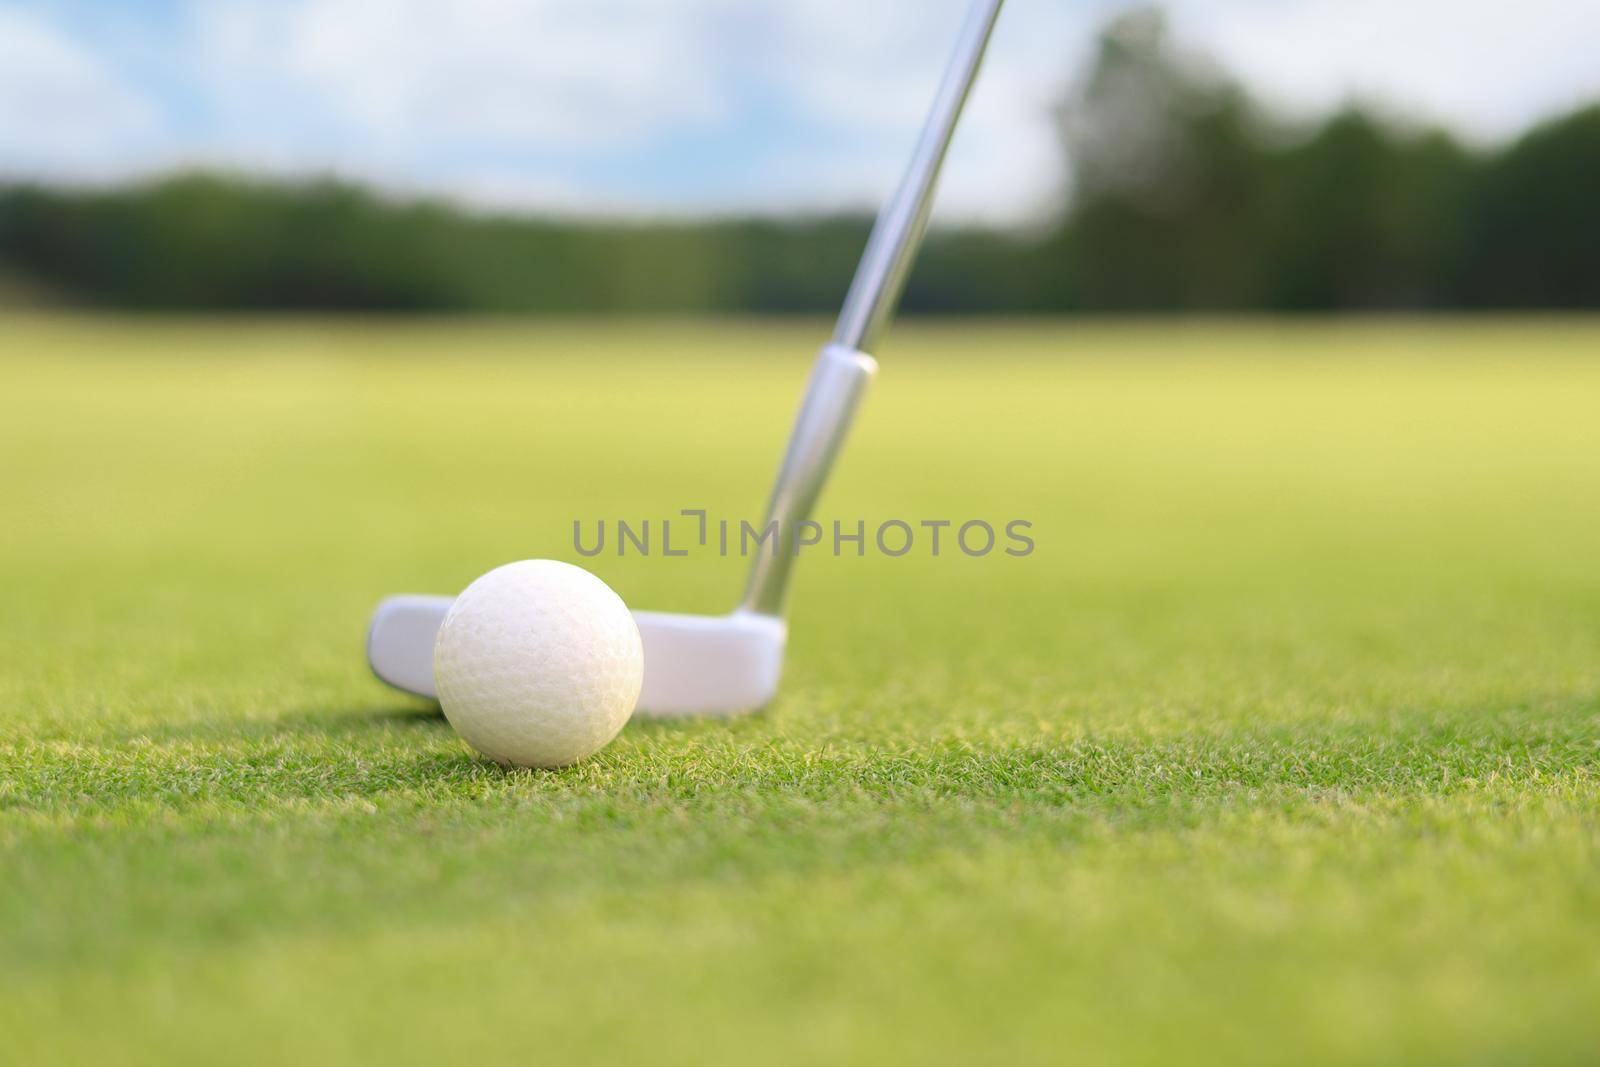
x,y
726,664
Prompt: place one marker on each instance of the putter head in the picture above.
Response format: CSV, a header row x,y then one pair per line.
x,y
693,664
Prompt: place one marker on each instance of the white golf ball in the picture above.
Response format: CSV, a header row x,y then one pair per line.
x,y
538,663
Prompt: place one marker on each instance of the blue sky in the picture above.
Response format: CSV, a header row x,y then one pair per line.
x,y
652,106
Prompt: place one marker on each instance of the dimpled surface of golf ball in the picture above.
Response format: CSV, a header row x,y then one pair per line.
x,y
538,664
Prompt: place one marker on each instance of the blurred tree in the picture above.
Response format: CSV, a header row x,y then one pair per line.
x,y
1365,217
1535,220
1189,196
1168,177
1185,195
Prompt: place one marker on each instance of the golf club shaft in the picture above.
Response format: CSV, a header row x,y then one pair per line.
x,y
896,235
843,370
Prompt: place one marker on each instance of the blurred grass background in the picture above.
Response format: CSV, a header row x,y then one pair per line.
x,y
1282,743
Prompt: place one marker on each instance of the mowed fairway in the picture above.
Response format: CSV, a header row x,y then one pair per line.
x,y
1283,745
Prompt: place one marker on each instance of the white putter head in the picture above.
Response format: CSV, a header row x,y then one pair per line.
x,y
693,664
728,664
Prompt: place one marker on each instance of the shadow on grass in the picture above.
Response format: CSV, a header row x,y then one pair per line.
x,y
416,718
310,722
394,752
427,716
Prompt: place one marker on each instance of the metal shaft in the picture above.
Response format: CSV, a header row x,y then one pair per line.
x,y
898,232
843,370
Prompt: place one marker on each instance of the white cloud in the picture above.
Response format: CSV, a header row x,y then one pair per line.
x,y
466,97
509,74
714,105
1486,67
868,72
62,112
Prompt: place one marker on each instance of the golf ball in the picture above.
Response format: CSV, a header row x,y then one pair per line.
x,y
538,664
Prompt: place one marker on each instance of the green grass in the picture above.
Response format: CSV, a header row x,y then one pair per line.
x,y
1283,745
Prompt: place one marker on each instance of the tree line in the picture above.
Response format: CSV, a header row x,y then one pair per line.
x,y
1185,195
